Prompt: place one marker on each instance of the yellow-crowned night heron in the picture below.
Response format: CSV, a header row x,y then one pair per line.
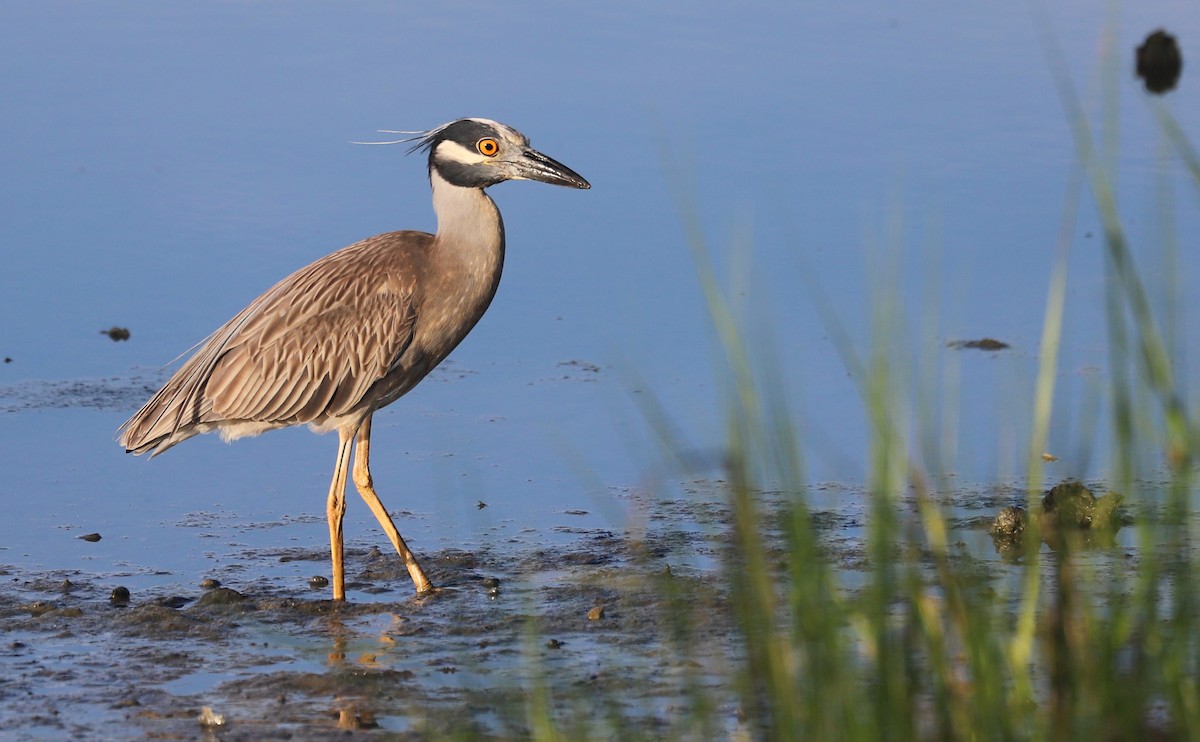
x,y
352,332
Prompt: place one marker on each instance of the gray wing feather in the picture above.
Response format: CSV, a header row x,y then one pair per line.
x,y
309,349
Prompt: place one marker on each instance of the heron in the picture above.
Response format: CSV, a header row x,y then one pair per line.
x,y
356,330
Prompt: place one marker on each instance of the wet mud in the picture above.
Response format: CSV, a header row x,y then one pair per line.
x,y
265,657
635,617
985,344
113,393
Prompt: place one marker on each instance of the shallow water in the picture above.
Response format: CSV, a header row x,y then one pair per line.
x,y
277,657
165,163
274,658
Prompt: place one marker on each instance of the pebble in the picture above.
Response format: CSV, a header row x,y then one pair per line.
x,y
221,596
38,607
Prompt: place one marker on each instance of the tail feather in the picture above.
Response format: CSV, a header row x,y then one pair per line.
x,y
180,409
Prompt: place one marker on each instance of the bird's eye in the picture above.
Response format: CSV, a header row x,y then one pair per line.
x,y
488,147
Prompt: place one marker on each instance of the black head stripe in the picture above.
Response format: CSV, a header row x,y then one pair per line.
x,y
467,133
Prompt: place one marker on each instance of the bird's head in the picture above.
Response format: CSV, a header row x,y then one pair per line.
x,y
477,153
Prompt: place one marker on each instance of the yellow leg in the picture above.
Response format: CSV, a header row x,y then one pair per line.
x,y
335,510
362,481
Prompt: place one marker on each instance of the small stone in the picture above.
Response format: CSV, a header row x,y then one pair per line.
x,y
119,596
1009,523
91,537
174,601
1158,62
596,613
221,596
40,607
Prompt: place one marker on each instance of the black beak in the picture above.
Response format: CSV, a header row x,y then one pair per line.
x,y
536,166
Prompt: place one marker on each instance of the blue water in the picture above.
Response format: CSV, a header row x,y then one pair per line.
x,y
166,162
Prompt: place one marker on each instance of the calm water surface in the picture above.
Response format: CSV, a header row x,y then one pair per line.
x,y
166,162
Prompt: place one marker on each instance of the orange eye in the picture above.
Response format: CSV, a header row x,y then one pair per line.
x,y
488,147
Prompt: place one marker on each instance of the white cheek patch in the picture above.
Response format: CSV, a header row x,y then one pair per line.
x,y
454,152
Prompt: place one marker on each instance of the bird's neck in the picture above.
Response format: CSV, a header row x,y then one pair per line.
x,y
468,221
466,259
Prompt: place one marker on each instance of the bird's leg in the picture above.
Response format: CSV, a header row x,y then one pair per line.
x,y
362,480
335,509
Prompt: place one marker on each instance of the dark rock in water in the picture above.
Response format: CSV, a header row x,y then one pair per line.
x,y
1010,523
1159,62
221,596
1067,508
987,344
1070,504
40,607
1008,532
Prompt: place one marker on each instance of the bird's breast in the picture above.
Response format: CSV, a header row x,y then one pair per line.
x,y
456,293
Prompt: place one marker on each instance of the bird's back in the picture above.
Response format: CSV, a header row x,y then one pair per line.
x,y
328,344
